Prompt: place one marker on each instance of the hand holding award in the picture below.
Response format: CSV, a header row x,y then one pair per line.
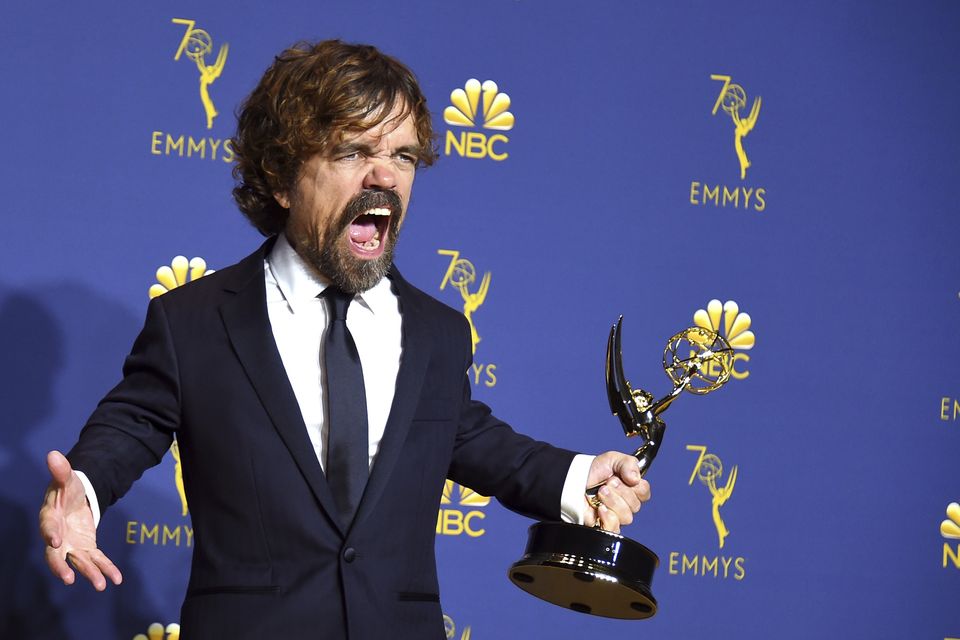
x,y
599,572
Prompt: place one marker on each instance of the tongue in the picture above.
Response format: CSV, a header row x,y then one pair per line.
x,y
363,229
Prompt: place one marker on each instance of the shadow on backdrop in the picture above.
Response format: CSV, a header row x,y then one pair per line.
x,y
62,347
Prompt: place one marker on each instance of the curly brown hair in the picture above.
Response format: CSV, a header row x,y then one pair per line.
x,y
306,101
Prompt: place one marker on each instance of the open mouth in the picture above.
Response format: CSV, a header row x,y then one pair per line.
x,y
368,232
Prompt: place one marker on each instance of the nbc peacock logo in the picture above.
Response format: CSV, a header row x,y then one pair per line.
x,y
466,496
950,529
459,509
157,631
727,320
478,105
178,273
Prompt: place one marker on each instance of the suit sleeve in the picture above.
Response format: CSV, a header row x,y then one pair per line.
x,y
526,475
133,426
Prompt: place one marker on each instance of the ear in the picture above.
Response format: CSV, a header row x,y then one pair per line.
x,y
282,199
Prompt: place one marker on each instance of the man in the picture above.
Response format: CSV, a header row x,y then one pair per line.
x,y
313,484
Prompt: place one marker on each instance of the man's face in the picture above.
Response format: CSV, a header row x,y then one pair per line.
x,y
347,203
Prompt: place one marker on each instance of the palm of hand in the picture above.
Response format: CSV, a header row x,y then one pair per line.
x,y
67,527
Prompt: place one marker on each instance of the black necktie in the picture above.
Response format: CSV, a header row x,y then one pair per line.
x,y
347,461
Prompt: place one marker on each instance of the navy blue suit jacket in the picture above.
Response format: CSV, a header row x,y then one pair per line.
x,y
270,557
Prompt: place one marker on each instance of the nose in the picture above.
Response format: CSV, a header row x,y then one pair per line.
x,y
380,175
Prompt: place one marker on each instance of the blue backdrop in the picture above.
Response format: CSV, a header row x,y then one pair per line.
x,y
798,159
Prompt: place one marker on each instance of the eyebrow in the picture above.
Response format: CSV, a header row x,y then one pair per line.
x,y
412,149
366,148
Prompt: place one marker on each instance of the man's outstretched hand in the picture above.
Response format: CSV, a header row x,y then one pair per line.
x,y
621,495
66,524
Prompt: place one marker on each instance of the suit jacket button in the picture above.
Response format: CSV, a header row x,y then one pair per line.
x,y
349,554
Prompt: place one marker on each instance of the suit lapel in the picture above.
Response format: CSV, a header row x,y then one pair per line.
x,y
415,333
248,326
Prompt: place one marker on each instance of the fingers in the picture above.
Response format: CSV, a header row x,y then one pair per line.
x,y
620,500
627,469
631,497
601,468
50,521
641,490
609,520
590,517
93,565
614,463
60,469
106,566
51,517
58,566
84,564
52,513
623,492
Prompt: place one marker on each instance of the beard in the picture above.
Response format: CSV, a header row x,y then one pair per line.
x,y
333,257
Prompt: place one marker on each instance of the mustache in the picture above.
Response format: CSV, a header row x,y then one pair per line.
x,y
371,199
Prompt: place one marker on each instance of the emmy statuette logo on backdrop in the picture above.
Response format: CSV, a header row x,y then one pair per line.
x,y
593,571
196,45
462,275
450,629
732,100
709,471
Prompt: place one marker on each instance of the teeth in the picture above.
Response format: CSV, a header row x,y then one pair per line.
x,y
379,211
371,244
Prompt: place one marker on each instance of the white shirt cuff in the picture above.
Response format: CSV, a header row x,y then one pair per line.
x,y
573,506
91,496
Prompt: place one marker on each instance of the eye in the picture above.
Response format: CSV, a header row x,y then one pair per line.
x,y
349,155
406,158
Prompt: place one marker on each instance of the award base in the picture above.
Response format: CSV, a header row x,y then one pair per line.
x,y
588,570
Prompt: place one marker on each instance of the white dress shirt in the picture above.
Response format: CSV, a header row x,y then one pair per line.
x,y
298,319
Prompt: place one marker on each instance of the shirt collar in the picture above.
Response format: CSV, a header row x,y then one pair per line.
x,y
301,284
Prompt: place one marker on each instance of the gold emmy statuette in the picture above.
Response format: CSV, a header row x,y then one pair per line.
x,y
599,572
